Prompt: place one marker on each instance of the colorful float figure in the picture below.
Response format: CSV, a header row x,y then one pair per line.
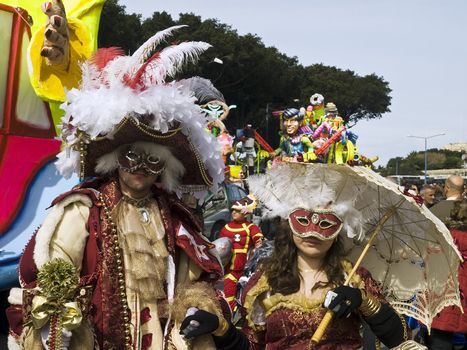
x,y
29,102
321,125
251,159
316,110
294,144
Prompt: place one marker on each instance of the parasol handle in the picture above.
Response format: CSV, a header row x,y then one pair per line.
x,y
322,327
315,339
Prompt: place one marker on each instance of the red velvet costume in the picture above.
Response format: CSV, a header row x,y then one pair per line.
x,y
102,302
451,319
244,235
289,321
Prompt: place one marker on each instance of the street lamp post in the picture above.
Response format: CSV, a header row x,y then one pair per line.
x,y
426,155
267,122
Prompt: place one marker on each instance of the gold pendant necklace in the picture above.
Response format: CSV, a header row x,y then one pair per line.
x,y
144,213
142,206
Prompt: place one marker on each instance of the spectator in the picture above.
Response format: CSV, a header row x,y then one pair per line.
x,y
453,188
414,188
451,319
428,194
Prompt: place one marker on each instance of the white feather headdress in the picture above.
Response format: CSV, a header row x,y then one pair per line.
x,y
120,92
297,185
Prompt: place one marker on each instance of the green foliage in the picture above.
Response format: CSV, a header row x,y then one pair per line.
x,y
414,163
58,279
117,28
258,79
356,97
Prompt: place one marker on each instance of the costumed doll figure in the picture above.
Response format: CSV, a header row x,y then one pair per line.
x,y
226,142
330,113
317,104
212,102
120,260
291,291
305,125
244,235
342,149
294,145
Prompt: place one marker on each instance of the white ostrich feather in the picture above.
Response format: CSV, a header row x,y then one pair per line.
x,y
89,76
171,60
146,50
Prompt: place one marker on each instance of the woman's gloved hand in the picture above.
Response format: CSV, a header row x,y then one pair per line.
x,y
202,322
343,300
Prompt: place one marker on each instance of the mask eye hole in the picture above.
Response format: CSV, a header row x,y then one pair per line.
x,y
132,156
303,220
324,224
153,159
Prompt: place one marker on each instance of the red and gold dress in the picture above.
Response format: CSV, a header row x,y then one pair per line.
x,y
243,235
277,321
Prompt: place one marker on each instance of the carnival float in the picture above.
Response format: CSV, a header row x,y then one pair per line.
x,y
33,80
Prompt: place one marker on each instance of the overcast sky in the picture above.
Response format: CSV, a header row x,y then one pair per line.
x,y
418,46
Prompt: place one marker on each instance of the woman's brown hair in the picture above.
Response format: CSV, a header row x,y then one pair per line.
x,y
281,267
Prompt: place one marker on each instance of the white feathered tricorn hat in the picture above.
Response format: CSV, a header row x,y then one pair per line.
x,y
127,99
288,186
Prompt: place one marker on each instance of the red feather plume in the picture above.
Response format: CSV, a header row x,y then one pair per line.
x,y
136,78
103,56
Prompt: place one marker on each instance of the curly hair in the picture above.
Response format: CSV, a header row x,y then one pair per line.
x,y
281,267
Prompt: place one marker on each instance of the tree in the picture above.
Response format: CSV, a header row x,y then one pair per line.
x,y
356,97
117,28
414,163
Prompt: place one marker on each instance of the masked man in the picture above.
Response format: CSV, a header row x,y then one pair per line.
x,y
115,262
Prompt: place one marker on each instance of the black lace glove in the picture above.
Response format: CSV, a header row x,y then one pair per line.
x,y
225,335
343,300
201,322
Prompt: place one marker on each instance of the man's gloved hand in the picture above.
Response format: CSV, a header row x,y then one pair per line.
x,y
202,322
66,337
343,300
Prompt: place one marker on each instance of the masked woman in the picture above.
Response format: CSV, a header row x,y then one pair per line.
x,y
287,298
